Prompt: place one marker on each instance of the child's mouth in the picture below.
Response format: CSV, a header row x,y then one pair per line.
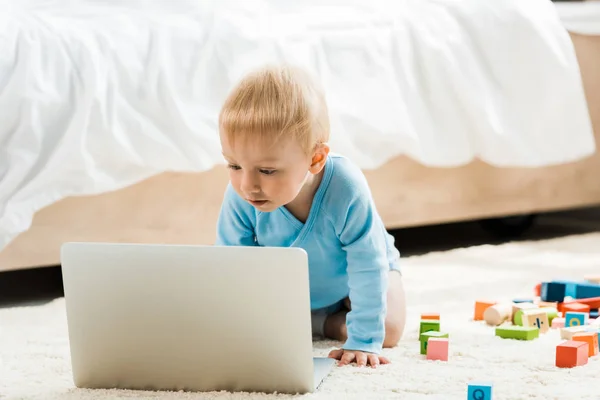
x,y
258,203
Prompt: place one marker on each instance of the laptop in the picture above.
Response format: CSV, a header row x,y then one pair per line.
x,y
191,318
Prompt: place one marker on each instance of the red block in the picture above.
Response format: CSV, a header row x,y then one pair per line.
x,y
576,307
571,354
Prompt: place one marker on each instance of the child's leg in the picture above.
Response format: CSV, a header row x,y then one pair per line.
x,y
395,319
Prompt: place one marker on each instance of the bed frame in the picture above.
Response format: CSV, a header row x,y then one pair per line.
x,y
183,208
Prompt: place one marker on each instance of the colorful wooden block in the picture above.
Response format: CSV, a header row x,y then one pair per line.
x,y
594,314
596,330
592,278
518,311
551,304
429,316
498,313
576,307
480,307
570,287
536,318
425,336
591,338
437,349
517,301
558,323
517,332
575,319
586,290
553,291
568,332
429,325
571,354
477,390
593,302
537,289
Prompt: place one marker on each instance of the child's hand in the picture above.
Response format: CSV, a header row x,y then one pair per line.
x,y
362,359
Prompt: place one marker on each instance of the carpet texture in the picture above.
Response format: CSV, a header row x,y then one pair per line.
x,y
35,364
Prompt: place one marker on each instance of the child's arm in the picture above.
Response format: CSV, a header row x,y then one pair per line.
x,y
363,238
235,225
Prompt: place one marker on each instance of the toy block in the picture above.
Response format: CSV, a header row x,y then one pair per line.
x,y
517,301
551,304
571,354
551,312
570,286
437,349
567,333
553,291
587,290
429,325
518,332
593,302
537,289
536,318
591,338
498,313
592,278
558,323
596,330
576,307
594,314
480,307
428,316
425,336
518,312
575,319
479,391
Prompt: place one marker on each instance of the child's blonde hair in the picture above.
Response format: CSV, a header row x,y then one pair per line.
x,y
276,102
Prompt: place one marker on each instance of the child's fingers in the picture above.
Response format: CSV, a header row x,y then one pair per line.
x,y
347,358
361,359
374,360
337,354
384,360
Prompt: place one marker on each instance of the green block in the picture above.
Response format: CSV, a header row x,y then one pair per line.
x,y
425,337
518,332
429,325
551,312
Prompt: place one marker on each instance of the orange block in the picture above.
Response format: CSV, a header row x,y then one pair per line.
x,y
480,307
537,290
571,354
576,307
591,338
430,316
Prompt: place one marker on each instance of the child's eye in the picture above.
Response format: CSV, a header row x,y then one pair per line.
x,y
234,167
268,171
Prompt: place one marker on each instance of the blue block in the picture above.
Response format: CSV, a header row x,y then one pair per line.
x,y
587,290
479,391
573,318
570,286
594,313
553,291
522,301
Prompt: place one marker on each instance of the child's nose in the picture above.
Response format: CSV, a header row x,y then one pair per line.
x,y
250,184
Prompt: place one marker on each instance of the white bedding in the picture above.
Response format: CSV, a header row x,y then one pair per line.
x,y
96,95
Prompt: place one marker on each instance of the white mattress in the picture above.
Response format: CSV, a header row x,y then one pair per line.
x,y
96,95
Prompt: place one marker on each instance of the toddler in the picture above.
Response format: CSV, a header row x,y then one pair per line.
x,y
286,189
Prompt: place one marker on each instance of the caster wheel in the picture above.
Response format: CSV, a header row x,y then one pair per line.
x,y
508,227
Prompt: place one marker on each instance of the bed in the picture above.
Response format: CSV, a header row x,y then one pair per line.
x,y
109,134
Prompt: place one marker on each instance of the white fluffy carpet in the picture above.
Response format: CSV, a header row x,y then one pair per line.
x,y
34,352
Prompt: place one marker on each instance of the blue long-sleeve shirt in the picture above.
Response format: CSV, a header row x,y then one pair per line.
x,y
349,250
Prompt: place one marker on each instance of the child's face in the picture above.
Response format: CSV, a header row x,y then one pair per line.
x,y
265,175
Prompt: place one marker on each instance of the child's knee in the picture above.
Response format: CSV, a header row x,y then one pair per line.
x,y
393,332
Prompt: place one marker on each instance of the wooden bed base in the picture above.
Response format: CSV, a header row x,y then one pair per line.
x,y
183,208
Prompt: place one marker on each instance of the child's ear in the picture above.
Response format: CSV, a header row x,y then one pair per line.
x,y
319,158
